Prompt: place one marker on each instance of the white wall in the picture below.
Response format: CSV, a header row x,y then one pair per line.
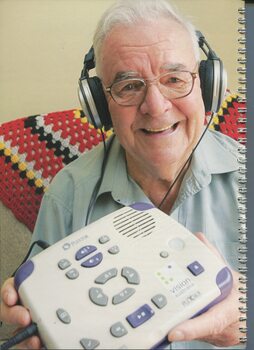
x,y
43,42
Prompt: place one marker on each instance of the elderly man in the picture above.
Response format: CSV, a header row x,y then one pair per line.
x,y
147,58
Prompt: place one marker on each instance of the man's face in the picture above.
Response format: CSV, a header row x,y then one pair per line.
x,y
159,133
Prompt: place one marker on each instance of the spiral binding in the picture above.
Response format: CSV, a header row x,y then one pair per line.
x,y
242,180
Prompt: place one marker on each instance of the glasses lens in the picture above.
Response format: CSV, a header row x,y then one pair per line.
x,y
176,84
128,92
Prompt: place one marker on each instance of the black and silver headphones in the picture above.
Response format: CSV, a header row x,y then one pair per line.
x,y
91,95
93,101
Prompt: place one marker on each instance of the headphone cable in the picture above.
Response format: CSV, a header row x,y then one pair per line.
x,y
42,244
187,161
20,336
99,182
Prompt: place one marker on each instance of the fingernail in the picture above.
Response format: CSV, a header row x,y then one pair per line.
x,y
176,336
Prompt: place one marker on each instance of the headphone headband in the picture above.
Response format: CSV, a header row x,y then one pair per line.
x,y
89,62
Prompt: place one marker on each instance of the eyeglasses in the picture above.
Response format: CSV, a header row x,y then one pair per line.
x,y
132,91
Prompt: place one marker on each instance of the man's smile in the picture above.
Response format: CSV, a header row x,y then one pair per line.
x,y
171,127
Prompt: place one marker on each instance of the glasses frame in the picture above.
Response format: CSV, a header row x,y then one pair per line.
x,y
149,82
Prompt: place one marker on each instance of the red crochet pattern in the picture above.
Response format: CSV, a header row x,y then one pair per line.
x,y
231,119
33,149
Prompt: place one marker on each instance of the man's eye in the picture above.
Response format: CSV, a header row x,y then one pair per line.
x,y
128,87
172,80
132,86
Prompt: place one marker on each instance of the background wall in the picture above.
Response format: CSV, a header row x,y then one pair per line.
x,y
42,45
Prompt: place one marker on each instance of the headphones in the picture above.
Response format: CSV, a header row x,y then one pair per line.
x,y
213,80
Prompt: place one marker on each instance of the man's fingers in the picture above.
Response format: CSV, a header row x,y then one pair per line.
x,y
207,325
31,343
8,293
16,315
12,313
195,329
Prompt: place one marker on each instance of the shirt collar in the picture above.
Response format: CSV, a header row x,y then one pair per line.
x,y
116,180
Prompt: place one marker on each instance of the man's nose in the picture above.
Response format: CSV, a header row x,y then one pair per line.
x,y
154,103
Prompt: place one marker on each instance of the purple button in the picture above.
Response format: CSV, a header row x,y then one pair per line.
x,y
140,316
93,261
84,251
195,268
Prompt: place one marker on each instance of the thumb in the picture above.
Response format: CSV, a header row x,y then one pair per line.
x,y
205,326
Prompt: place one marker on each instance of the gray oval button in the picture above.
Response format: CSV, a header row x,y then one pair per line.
x,y
114,250
63,264
118,330
63,316
89,344
72,274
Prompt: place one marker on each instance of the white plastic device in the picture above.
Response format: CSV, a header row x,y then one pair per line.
x,y
122,282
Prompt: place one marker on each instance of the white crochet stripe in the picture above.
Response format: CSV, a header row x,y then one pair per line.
x,y
65,143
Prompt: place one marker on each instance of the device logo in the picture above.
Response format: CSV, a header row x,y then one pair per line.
x,y
191,298
181,287
73,243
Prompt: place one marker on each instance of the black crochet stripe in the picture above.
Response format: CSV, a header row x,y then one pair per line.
x,y
22,173
65,153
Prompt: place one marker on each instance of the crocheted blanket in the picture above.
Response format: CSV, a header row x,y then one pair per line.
x,y
33,149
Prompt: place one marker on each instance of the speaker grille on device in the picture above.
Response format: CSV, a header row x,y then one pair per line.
x,y
133,223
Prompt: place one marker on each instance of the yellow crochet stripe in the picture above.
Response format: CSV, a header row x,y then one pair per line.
x,y
220,113
84,120
77,115
225,103
22,166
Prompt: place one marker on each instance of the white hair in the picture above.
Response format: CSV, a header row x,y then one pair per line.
x,y
131,12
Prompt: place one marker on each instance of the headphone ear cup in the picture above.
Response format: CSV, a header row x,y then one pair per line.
x,y
213,81
93,102
206,76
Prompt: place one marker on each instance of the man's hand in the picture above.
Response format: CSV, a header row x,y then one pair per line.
x,y
220,324
15,314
